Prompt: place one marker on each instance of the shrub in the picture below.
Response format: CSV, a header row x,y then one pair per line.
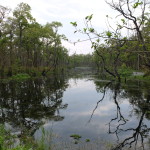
x,y
124,71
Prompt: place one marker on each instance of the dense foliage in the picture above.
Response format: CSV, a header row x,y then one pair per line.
x,y
25,44
81,60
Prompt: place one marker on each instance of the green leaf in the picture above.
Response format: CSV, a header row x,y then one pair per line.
x,y
86,17
89,17
125,38
123,21
84,29
137,4
108,33
119,26
74,24
91,30
98,40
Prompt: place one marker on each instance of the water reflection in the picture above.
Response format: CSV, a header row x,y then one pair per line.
x,y
25,106
114,111
140,102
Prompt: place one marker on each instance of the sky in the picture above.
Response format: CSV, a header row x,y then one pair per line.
x,y
66,11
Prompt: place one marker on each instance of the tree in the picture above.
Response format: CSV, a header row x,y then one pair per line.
x,y
113,45
57,42
128,10
32,44
22,16
4,11
26,45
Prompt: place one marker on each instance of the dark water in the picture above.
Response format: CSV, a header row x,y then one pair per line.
x,y
107,113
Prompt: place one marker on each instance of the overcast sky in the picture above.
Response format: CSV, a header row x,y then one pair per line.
x,y
66,11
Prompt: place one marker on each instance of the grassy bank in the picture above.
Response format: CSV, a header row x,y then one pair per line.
x,y
25,142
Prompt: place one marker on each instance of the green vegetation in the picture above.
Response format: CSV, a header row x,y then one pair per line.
x,y
125,71
142,78
115,52
80,60
27,46
7,141
29,49
75,136
21,76
87,140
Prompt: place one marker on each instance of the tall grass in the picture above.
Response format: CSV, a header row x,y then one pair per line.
x,y
9,141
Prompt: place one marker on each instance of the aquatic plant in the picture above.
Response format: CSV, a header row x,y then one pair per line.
x,y
75,136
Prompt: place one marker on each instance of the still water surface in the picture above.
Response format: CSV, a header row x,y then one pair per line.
x,y
98,110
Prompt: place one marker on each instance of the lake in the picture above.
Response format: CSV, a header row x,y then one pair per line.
x,y
80,112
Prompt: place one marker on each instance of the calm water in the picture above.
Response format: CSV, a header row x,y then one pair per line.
x,y
99,110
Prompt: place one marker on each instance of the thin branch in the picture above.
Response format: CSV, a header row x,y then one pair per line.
x,y
99,100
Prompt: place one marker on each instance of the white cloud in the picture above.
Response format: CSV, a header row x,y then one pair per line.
x,y
78,48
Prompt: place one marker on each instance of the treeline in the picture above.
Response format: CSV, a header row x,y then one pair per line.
x,y
116,53
26,45
81,60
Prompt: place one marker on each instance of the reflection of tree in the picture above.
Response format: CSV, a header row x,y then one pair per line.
x,y
139,97
141,131
119,117
140,100
104,92
25,105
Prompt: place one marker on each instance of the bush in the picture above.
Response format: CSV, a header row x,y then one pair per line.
x,y
124,71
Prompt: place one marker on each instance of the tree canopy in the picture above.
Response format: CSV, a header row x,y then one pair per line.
x,y
25,44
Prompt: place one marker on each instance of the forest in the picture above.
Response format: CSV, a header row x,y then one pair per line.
x,y
26,46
